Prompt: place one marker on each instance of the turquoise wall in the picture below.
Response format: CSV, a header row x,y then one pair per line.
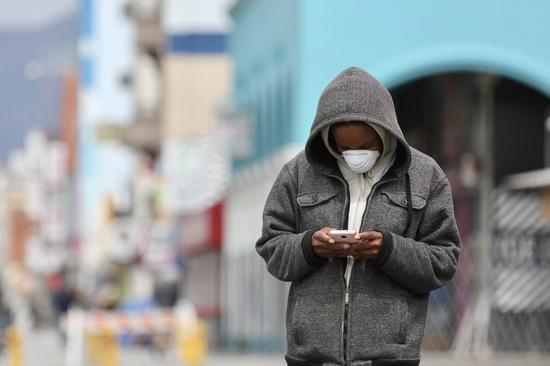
x,y
263,45
308,42
401,40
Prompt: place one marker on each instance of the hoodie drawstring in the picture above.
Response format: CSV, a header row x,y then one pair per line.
x,y
409,202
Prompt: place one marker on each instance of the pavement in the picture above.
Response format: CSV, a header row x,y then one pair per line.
x,y
429,359
45,348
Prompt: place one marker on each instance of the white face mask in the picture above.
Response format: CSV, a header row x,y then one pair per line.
x,y
361,161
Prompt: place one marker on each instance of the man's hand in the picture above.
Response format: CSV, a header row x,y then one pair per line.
x,y
369,245
325,246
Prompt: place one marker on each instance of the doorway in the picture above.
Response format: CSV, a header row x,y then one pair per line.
x,y
440,116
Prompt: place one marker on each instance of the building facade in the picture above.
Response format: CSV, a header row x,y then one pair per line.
x,y
195,164
465,76
105,55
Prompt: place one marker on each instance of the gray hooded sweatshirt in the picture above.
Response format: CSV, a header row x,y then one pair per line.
x,y
379,318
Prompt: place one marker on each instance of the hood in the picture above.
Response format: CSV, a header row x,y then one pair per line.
x,y
383,163
389,142
354,95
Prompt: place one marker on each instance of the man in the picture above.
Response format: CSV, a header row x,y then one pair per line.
x,y
360,303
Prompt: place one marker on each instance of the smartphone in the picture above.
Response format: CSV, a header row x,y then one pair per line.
x,y
343,236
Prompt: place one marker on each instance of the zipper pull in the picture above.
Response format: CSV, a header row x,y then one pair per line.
x,y
346,297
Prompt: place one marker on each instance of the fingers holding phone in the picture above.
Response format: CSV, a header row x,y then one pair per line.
x,y
368,246
326,246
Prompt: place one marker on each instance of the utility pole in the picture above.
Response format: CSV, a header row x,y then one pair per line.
x,y
472,338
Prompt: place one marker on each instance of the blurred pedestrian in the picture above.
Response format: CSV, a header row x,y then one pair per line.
x,y
364,302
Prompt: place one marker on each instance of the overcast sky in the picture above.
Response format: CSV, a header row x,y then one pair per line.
x,y
32,32
25,14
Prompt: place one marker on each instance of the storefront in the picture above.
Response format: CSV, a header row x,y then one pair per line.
x,y
201,240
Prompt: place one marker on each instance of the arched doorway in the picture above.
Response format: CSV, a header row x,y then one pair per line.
x,y
480,128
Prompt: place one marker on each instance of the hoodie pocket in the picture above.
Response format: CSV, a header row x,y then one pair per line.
x,y
315,329
313,198
378,326
394,212
317,209
400,200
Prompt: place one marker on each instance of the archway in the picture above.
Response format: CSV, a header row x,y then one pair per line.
x,y
445,125
423,62
447,116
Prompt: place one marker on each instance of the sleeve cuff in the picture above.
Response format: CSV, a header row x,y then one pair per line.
x,y
310,256
387,249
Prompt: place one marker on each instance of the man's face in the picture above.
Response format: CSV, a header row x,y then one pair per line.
x,y
356,136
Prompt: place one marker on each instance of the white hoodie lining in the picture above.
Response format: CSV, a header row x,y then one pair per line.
x,y
360,185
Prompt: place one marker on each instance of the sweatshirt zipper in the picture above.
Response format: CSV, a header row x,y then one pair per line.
x,y
346,293
345,325
344,224
347,286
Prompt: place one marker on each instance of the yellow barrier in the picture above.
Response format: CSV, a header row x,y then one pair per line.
x,y
102,349
94,335
192,340
14,345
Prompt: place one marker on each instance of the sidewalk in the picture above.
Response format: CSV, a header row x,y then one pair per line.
x,y
446,359
428,359
44,348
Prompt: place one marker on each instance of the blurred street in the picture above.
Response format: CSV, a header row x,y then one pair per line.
x,y
44,349
140,140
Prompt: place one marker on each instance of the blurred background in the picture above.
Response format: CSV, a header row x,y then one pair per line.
x,y
139,140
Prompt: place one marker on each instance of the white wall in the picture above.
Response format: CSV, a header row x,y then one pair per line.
x,y
191,16
253,302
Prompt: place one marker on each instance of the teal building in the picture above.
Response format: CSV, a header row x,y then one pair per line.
x,y
286,52
471,84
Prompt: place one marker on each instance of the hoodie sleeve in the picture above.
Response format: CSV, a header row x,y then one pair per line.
x,y
429,262
289,255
